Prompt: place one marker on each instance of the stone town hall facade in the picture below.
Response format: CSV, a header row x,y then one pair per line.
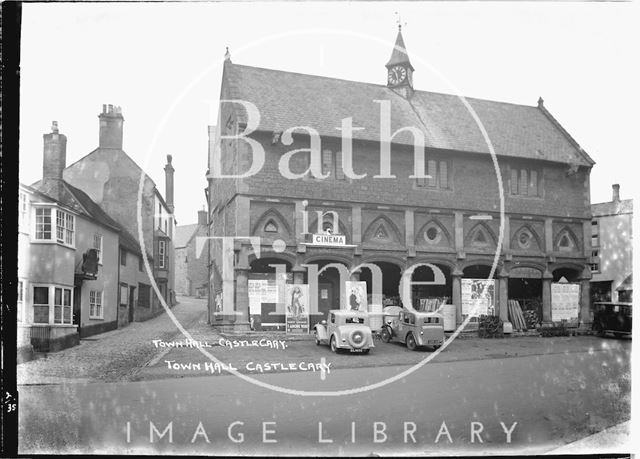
x,y
450,218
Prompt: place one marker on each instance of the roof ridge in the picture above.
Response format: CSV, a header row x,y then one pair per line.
x,y
383,86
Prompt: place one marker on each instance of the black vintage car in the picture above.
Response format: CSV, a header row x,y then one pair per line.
x,y
612,318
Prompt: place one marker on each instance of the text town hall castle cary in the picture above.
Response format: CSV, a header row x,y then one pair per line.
x,y
389,215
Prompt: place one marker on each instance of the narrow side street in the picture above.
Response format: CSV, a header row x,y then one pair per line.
x,y
115,355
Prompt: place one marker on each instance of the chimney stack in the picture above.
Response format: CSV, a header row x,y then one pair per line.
x,y
168,176
111,121
55,153
202,218
616,193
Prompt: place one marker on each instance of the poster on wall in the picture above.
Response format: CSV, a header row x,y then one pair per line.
x,y
565,301
297,308
255,295
356,292
474,295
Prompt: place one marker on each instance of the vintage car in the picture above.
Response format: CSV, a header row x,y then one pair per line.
x,y
612,318
345,329
414,328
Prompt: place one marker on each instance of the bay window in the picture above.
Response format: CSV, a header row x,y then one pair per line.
x,y
64,228
44,312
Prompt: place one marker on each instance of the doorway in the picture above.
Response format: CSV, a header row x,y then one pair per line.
x,y
132,296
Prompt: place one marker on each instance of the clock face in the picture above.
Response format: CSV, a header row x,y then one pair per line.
x,y
397,74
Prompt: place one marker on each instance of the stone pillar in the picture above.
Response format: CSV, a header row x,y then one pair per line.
x,y
456,293
242,298
547,278
585,300
502,294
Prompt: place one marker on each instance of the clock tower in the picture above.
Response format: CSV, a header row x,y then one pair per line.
x,y
399,68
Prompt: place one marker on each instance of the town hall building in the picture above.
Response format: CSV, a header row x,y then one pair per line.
x,y
383,201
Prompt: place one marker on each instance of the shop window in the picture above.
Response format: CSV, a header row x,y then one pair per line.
x,y
271,227
95,304
41,305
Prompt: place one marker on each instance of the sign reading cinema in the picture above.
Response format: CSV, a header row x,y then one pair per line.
x,y
329,239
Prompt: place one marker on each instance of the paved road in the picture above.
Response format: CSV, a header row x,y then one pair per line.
x,y
554,398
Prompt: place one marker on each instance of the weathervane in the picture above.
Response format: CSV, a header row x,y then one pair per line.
x,y
399,21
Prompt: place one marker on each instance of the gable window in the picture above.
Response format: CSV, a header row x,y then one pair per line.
x,y
525,182
97,244
438,175
123,257
161,254
95,304
271,227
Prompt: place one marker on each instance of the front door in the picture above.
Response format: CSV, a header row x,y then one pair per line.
x,y
77,306
132,296
326,301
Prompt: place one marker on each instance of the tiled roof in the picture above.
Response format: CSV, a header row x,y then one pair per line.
x,y
183,235
600,209
77,200
286,99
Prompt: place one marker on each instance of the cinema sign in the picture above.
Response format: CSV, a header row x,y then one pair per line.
x,y
329,239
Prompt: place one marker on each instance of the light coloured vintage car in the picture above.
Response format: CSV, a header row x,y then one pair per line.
x,y
345,329
414,328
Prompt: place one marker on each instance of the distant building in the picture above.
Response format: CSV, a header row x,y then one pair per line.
x,y
112,180
612,249
192,272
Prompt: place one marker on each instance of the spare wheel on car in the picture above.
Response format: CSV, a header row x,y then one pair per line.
x,y
357,339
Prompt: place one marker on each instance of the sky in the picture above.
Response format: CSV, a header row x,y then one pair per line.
x,y
162,62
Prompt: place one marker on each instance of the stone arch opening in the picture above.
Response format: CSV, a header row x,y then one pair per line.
x,y
391,274
429,297
525,287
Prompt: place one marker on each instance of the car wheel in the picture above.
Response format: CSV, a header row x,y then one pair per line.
x,y
365,351
411,342
435,348
333,344
385,335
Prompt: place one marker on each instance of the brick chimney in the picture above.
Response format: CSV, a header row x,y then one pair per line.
x,y
202,218
111,121
616,193
168,179
55,153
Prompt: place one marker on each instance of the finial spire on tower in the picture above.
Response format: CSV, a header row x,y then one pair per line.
x,y
227,55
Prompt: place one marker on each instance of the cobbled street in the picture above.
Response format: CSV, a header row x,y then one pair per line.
x,y
112,356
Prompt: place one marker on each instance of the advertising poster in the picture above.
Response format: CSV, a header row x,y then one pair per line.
x,y
475,300
565,301
356,292
255,295
297,308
